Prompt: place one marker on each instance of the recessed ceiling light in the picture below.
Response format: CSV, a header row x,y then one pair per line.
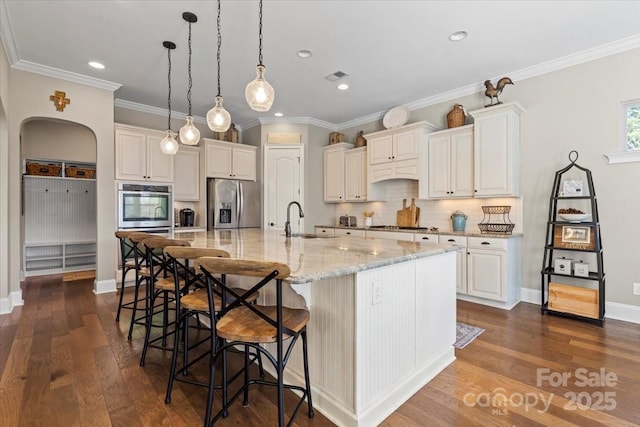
x,y
96,65
278,114
304,53
458,35
343,86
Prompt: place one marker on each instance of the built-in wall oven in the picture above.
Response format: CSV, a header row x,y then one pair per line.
x,y
142,206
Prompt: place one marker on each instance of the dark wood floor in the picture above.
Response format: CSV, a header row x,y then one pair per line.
x,y
65,362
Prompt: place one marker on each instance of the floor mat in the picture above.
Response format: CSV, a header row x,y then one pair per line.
x,y
465,334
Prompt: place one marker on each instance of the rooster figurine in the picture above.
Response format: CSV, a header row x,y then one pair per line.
x,y
493,92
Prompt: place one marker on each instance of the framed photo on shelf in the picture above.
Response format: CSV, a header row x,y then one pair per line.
x,y
572,188
574,237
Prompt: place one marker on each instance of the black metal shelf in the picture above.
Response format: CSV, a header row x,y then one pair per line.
x,y
595,245
596,321
593,275
557,248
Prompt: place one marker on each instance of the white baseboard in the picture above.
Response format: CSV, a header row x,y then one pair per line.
x,y
13,300
612,310
104,286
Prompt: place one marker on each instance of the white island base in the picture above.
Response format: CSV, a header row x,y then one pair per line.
x,y
376,337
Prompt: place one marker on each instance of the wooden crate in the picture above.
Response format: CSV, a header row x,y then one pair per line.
x,y
574,299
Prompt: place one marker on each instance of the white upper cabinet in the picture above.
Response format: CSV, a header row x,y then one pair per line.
x,y
334,171
356,175
186,185
399,153
451,163
139,157
230,160
497,150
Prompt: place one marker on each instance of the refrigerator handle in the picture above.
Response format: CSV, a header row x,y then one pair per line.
x,y
239,203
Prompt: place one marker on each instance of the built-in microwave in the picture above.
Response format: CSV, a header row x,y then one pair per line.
x,y
144,206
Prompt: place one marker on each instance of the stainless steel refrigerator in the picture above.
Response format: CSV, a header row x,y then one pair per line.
x,y
232,204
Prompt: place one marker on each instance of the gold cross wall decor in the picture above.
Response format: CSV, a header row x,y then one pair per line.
x,y
59,100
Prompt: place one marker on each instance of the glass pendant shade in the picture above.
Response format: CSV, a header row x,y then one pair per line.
x,y
218,119
189,133
259,93
169,145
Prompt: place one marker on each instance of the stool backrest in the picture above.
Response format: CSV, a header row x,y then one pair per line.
x,y
156,259
243,267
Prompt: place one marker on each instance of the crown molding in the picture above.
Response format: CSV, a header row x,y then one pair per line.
x,y
250,124
57,73
121,103
592,54
298,121
361,120
6,34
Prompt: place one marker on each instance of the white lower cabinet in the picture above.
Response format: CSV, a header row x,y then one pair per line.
x,y
348,232
392,235
324,230
493,270
461,258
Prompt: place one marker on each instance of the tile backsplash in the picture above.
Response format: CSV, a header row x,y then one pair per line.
x,y
433,213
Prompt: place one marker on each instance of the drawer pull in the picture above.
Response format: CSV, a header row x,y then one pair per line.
x,y
425,238
451,240
485,243
348,232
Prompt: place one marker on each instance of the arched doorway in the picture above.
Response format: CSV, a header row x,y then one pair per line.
x,y
58,222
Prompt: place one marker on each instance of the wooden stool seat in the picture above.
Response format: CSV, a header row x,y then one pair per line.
x,y
242,324
198,301
167,284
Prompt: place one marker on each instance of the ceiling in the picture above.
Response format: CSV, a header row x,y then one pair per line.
x,y
394,52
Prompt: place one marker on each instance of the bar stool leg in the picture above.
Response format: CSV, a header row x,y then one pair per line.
x,y
135,305
245,397
305,360
124,274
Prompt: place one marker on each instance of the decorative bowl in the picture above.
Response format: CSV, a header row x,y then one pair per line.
x,y
575,217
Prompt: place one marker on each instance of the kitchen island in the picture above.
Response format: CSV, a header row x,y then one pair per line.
x,y
383,314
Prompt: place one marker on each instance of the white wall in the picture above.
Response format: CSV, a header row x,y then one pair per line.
x,y
90,107
52,140
5,304
576,108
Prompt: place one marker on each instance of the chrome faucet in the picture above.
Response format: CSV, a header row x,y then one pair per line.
x,y
287,225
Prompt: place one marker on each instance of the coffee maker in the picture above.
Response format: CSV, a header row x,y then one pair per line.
x,y
186,217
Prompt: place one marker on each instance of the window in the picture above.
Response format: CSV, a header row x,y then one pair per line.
x,y
629,134
632,127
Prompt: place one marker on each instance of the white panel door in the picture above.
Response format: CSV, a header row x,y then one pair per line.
x,y
244,163
462,164
405,145
439,166
218,161
282,185
486,274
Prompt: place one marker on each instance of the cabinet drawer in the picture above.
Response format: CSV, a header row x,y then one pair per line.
x,y
488,243
348,232
323,230
390,235
453,240
431,238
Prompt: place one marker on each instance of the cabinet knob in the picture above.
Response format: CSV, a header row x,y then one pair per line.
x,y
271,224
475,191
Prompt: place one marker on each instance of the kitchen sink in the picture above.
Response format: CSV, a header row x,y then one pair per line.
x,y
311,236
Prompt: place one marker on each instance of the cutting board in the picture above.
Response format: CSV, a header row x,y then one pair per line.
x,y
408,216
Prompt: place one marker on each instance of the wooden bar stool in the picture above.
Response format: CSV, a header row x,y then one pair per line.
x,y
161,284
132,258
244,324
194,299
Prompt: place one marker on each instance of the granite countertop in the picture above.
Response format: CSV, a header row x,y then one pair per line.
x,y
316,258
445,232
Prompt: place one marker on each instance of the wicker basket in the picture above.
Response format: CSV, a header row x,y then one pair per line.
x,y
76,172
361,141
335,138
496,228
42,169
456,116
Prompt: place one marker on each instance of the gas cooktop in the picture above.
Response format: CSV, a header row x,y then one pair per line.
x,y
395,227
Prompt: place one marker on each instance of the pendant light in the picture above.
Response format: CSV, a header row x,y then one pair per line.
x,y
189,133
169,145
259,93
219,119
